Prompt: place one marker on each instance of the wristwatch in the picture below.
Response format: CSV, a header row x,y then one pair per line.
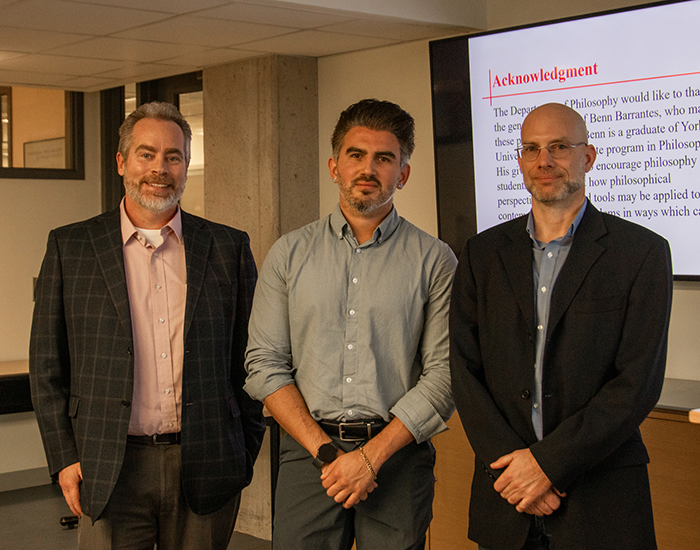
x,y
325,455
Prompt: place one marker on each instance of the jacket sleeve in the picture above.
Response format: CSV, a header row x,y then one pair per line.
x,y
49,363
251,410
490,433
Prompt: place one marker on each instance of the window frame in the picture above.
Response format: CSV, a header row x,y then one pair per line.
x,y
75,148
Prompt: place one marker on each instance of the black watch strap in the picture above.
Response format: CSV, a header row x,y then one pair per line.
x,y
325,455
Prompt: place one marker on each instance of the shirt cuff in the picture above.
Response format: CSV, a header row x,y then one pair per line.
x,y
420,418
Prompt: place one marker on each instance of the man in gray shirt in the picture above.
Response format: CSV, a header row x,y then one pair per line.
x,y
348,349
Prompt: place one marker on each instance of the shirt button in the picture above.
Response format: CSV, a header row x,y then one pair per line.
x,y
539,327
161,320
352,312
170,424
158,287
354,280
357,251
544,289
549,255
167,391
535,406
163,355
350,346
348,379
351,412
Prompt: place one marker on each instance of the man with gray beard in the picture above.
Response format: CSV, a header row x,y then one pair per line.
x,y
136,357
558,337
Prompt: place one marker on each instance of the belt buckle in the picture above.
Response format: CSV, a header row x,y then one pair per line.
x,y
343,425
156,442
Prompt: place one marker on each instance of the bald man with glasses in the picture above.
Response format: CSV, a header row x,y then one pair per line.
x,y
558,337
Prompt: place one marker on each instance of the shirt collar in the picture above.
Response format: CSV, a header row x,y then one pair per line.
x,y
129,229
383,231
572,228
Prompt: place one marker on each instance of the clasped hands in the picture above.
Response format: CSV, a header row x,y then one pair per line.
x,y
525,485
347,479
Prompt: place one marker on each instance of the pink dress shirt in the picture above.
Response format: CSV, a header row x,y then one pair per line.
x,y
156,279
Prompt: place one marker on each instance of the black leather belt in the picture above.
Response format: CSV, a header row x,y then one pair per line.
x,y
360,430
155,439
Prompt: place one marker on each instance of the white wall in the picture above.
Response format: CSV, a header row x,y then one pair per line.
x,y
28,210
510,13
395,73
402,74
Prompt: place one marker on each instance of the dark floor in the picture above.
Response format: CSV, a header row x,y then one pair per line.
x,y
30,520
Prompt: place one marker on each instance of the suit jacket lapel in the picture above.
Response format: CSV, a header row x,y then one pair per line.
x,y
106,238
584,252
197,246
519,268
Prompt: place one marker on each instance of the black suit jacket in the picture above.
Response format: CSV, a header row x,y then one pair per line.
x,y
604,363
82,366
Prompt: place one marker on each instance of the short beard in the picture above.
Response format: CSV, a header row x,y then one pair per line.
x,y
569,188
368,206
152,203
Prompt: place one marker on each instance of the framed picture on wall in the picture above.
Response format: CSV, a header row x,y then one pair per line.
x,y
45,153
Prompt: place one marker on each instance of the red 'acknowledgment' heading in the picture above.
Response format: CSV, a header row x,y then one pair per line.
x,y
544,76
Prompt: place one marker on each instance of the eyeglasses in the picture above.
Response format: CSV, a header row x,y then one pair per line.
x,y
557,150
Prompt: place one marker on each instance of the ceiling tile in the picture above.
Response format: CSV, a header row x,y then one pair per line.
x,y
59,65
269,15
72,17
317,43
164,6
146,71
26,78
32,40
217,56
206,32
128,50
8,55
88,83
394,30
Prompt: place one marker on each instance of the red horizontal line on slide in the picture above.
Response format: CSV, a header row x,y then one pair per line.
x,y
490,97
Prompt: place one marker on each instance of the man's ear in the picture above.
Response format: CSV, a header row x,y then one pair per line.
x,y
591,154
405,172
333,169
120,164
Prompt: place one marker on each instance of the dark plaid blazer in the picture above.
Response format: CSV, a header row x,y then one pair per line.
x,y
81,360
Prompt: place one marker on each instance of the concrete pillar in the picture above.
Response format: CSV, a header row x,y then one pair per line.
x,y
261,176
261,146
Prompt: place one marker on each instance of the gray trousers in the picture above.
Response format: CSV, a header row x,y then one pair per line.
x,y
395,516
148,507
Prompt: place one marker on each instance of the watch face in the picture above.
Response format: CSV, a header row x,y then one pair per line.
x,y
327,452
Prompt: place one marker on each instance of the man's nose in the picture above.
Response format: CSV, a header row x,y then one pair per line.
x,y
160,165
370,165
544,157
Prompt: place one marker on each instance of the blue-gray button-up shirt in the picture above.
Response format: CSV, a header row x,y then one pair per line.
x,y
362,330
548,259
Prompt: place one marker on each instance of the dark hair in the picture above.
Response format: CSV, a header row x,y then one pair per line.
x,y
380,116
158,110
